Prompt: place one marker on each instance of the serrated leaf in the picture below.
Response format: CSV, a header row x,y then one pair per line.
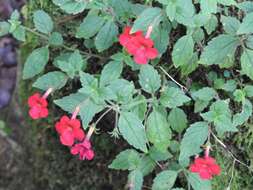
x,y
194,137
248,89
147,165
126,160
71,6
36,62
199,184
158,130
177,119
185,12
111,72
55,80
56,39
173,97
208,6
247,63
205,94
246,6
161,38
140,108
135,180
132,130
230,24
219,50
246,26
149,79
240,118
183,51
4,28
149,17
211,24
90,26
106,36
158,155
43,22
164,180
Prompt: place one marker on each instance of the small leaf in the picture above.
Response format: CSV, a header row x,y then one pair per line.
x,y
71,6
248,89
240,118
173,97
126,160
147,165
194,137
43,22
177,119
183,51
36,62
135,180
205,94
149,79
56,39
111,72
208,6
164,180
230,24
246,26
149,17
55,80
132,130
4,28
106,36
247,63
199,184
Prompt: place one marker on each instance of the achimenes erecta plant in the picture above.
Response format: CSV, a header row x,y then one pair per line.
x,y
170,126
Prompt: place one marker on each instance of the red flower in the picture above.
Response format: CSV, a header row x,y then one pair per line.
x,y
38,106
69,130
137,45
84,150
206,167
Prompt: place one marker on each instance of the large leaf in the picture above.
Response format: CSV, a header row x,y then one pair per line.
x,y
36,62
43,22
219,50
149,17
111,72
183,51
55,80
199,184
193,139
173,97
131,128
106,36
71,6
247,63
158,130
135,180
177,119
149,79
246,26
164,180
126,160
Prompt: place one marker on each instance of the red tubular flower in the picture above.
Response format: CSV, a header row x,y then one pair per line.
x,y
138,45
38,106
69,130
84,150
206,167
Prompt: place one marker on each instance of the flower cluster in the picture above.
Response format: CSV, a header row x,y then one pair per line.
x,y
138,45
206,167
69,129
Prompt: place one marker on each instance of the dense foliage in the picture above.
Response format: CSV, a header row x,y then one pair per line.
x,y
179,86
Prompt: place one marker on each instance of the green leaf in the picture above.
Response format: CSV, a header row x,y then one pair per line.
x,y
126,160
19,33
199,184
220,115
141,108
106,36
173,97
135,180
149,17
111,72
248,89
158,155
164,180
73,65
177,119
239,95
71,6
132,130
190,66
147,165
90,26
183,51
246,6
247,63
230,24
158,130
43,22
246,26
149,79
36,62
161,38
208,6
4,28
194,137
56,39
55,80
219,50
240,118
205,94
171,10
211,24
185,12
227,2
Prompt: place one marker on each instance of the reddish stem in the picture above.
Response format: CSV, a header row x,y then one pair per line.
x,y
150,29
77,110
47,93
